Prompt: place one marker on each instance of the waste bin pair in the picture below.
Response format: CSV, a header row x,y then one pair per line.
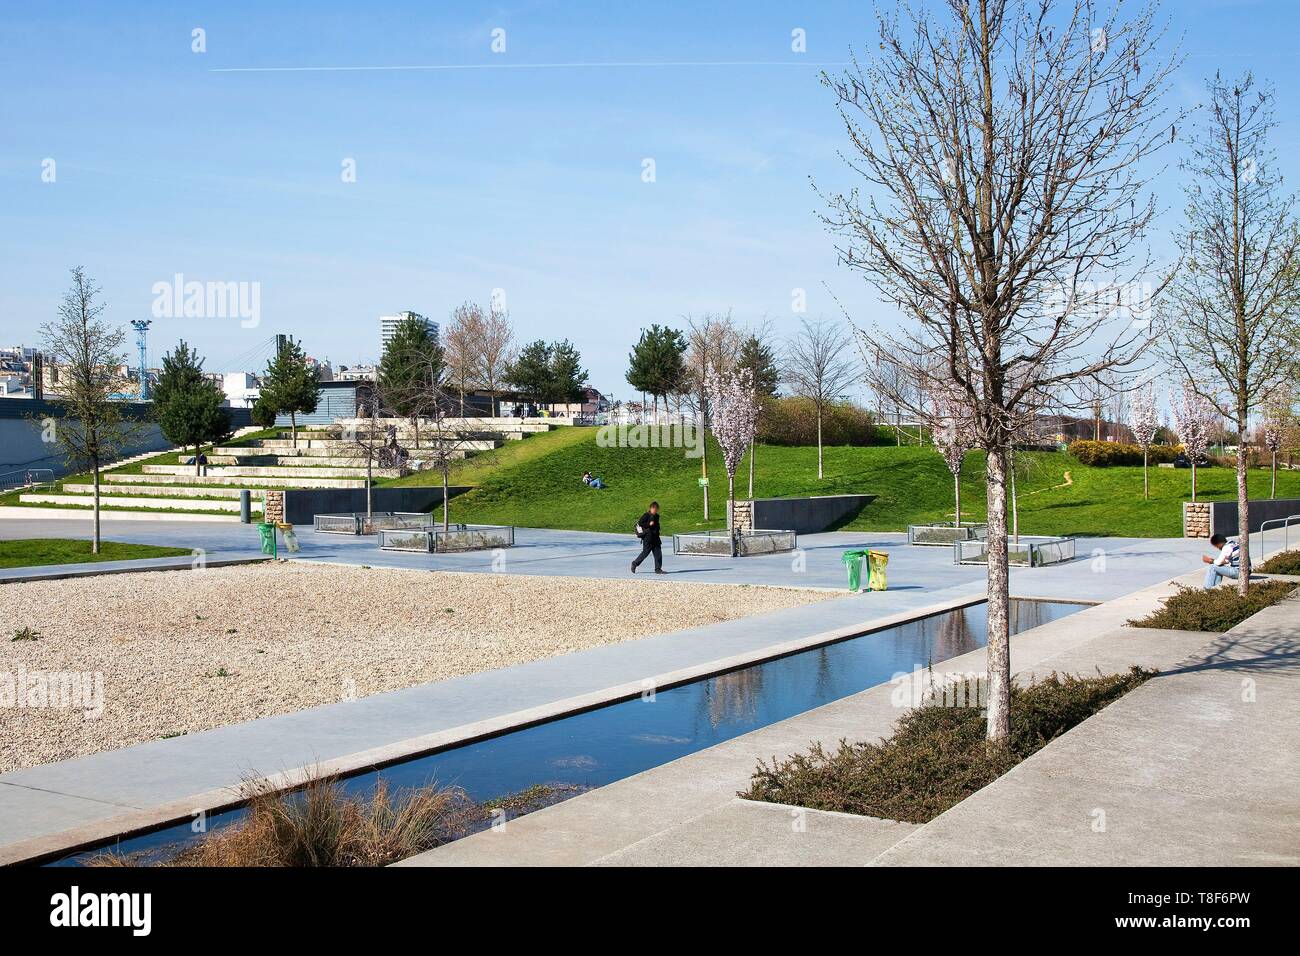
x,y
876,562
268,531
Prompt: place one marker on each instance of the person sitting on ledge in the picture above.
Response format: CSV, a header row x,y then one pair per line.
x,y
1226,564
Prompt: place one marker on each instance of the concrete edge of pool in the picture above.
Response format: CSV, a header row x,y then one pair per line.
x,y
61,843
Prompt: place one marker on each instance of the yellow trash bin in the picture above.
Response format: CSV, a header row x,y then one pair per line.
x,y
876,562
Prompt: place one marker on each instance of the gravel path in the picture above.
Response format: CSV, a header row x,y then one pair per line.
x,y
183,651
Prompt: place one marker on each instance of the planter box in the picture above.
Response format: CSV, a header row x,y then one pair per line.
x,y
458,537
1032,551
361,523
943,535
719,543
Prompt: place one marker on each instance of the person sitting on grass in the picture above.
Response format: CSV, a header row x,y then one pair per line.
x,y
1226,564
591,481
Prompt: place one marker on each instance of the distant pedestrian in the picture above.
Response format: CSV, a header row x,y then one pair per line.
x,y
647,529
202,463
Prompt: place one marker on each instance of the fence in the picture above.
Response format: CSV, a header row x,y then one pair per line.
x,y
745,543
361,523
1028,552
458,537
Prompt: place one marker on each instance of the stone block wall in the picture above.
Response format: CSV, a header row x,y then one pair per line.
x,y
273,507
742,516
1196,519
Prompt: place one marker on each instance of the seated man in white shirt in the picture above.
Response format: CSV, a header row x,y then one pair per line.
x,y
1226,564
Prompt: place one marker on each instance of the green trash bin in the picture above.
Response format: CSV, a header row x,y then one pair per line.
x,y
268,538
853,564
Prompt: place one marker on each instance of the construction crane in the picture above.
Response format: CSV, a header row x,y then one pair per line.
x,y
141,327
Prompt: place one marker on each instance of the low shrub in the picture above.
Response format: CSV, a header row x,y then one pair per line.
x,y
937,756
1285,562
1104,454
793,421
1218,609
320,825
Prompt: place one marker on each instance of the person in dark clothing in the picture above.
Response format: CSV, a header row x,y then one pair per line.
x,y
647,529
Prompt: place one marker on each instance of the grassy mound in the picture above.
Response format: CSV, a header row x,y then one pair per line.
x,y
1287,562
32,552
937,756
1218,609
535,483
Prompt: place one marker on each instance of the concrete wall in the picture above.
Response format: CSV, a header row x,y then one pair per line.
x,y
302,505
807,515
1223,514
21,447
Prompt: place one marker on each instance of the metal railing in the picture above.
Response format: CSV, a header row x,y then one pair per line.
x,y
1284,524
457,537
742,544
27,478
360,523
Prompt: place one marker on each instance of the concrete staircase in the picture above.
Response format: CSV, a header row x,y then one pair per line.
x,y
322,458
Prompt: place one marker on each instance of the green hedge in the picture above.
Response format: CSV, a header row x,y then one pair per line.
x,y
1103,454
793,421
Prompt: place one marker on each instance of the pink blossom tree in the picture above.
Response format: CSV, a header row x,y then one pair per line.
x,y
1144,419
1193,419
733,419
1277,417
954,434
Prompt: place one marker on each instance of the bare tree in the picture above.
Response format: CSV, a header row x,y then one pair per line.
x,y
495,350
88,355
1231,309
954,434
1003,146
461,343
818,365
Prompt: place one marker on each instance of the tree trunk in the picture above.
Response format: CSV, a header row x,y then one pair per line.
x,y
1015,503
1193,478
293,426
819,442
446,503
956,496
197,471
1146,485
370,480
704,470
94,538
1272,491
1243,508
753,449
999,640
731,511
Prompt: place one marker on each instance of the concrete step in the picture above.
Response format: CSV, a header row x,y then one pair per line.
x,y
160,491
254,471
134,501
306,481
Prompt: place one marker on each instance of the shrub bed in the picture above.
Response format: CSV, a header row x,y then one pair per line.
x,y
1287,562
1218,609
937,756
321,825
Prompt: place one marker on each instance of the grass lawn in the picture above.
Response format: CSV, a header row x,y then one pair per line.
x,y
536,483
31,552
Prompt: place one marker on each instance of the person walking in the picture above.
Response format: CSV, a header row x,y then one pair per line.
x,y
647,529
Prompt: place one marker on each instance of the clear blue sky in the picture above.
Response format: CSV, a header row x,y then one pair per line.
x,y
525,179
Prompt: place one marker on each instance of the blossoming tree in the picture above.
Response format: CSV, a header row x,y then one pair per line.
x,y
954,435
1144,419
732,420
1193,419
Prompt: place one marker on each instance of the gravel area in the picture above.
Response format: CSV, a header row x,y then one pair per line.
x,y
183,651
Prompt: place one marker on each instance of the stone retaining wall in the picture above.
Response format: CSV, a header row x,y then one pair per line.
x,y
1196,519
273,506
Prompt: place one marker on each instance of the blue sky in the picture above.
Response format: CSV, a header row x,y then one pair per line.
x,y
468,180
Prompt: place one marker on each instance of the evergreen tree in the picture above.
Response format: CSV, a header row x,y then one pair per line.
x,y
567,374
410,370
291,386
187,404
656,364
530,373
757,356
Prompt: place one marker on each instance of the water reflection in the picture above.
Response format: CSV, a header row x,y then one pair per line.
x,y
600,746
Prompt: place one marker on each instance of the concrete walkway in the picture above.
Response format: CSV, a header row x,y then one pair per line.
x,y
682,812
1200,767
